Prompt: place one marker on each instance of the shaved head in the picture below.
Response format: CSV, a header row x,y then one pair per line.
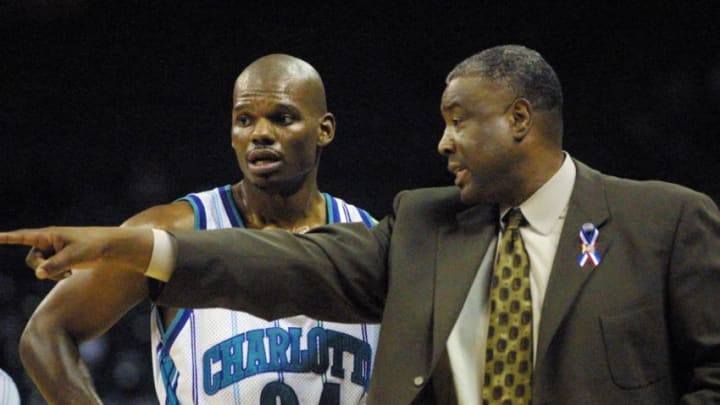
x,y
280,123
281,73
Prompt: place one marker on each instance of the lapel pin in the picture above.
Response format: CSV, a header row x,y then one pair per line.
x,y
588,236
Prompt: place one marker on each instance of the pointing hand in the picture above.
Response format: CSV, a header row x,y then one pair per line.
x,y
58,249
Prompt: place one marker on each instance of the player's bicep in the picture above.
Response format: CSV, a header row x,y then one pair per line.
x,y
176,216
89,302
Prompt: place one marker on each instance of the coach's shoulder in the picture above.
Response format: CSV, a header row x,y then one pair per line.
x,y
428,196
655,191
426,203
643,192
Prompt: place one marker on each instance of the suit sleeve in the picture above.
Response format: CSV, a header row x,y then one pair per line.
x,y
335,272
694,288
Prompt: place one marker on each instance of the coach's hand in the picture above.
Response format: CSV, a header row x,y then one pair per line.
x,y
36,257
58,249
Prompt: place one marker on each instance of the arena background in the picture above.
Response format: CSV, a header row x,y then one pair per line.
x,y
110,107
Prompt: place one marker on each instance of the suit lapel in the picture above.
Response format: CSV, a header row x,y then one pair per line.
x,y
461,247
587,204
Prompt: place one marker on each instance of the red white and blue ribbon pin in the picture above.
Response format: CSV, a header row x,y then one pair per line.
x,y
589,236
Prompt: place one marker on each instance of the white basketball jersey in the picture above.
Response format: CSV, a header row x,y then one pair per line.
x,y
219,356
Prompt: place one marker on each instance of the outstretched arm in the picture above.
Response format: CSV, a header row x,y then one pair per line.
x,y
126,249
81,307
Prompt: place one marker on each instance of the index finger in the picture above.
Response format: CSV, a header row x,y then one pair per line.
x,y
39,238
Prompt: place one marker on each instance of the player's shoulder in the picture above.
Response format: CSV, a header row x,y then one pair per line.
x,y
334,200
178,215
340,210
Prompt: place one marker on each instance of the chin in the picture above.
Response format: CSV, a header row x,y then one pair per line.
x,y
468,196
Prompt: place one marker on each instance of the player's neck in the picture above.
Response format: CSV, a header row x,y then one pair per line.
x,y
296,212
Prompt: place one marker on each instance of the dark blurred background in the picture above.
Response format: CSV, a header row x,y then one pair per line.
x,y
110,107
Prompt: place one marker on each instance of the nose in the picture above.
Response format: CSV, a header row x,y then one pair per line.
x,y
446,146
263,133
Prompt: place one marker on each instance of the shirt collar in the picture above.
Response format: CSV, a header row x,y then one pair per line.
x,y
550,201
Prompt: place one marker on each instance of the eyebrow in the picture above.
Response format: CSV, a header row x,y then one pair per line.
x,y
287,108
278,107
448,107
240,106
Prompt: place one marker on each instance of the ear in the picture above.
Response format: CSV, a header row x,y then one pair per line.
x,y
521,115
327,130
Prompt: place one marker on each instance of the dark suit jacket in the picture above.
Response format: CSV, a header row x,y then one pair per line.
x,y
641,327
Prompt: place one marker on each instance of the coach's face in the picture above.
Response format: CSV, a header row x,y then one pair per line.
x,y
276,132
479,139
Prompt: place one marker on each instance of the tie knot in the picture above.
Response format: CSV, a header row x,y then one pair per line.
x,y
513,219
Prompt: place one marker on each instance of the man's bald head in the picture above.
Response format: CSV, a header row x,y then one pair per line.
x,y
283,74
280,124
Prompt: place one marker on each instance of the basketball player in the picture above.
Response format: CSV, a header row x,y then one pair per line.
x,y
280,125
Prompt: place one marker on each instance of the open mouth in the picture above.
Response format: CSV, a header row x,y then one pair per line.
x,y
264,160
459,172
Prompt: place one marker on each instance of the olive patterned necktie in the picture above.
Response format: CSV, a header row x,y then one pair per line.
x,y
508,359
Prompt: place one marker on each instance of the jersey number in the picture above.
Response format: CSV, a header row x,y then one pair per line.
x,y
279,390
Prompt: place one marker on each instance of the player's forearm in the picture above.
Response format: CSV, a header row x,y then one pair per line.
x,y
52,359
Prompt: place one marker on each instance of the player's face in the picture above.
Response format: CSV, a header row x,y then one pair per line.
x,y
275,134
477,140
